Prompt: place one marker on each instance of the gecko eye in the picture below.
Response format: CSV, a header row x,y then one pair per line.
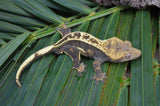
x,y
128,55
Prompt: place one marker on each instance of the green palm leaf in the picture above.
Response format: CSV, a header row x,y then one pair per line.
x,y
75,6
142,70
29,25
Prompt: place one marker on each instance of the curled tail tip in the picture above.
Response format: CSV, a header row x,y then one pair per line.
x,y
18,83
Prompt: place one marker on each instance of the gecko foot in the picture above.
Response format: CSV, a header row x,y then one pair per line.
x,y
97,82
99,77
80,68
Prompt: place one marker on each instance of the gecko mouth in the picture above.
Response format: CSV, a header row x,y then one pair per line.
x,y
136,54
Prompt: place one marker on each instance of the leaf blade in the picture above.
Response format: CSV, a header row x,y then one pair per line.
x,y
9,48
75,5
142,68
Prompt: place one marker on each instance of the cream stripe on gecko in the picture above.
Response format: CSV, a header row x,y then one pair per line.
x,y
30,59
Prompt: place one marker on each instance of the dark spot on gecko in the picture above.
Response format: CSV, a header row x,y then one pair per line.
x,y
77,34
109,45
86,36
93,40
36,55
70,36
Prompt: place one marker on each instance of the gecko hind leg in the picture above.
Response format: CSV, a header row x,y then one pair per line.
x,y
64,31
99,75
74,53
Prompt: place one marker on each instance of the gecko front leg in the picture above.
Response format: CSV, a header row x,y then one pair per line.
x,y
97,68
74,53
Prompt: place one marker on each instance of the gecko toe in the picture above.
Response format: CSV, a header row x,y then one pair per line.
x,y
80,68
84,71
105,77
79,74
93,78
96,82
101,77
84,65
73,68
103,81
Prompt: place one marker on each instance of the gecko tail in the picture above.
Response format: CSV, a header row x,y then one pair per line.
x,y
31,58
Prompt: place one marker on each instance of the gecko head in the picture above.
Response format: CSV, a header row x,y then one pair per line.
x,y
120,51
128,53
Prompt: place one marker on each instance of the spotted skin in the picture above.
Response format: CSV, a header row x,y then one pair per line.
x,y
79,43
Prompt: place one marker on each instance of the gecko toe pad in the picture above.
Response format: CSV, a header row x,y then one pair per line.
x,y
100,77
